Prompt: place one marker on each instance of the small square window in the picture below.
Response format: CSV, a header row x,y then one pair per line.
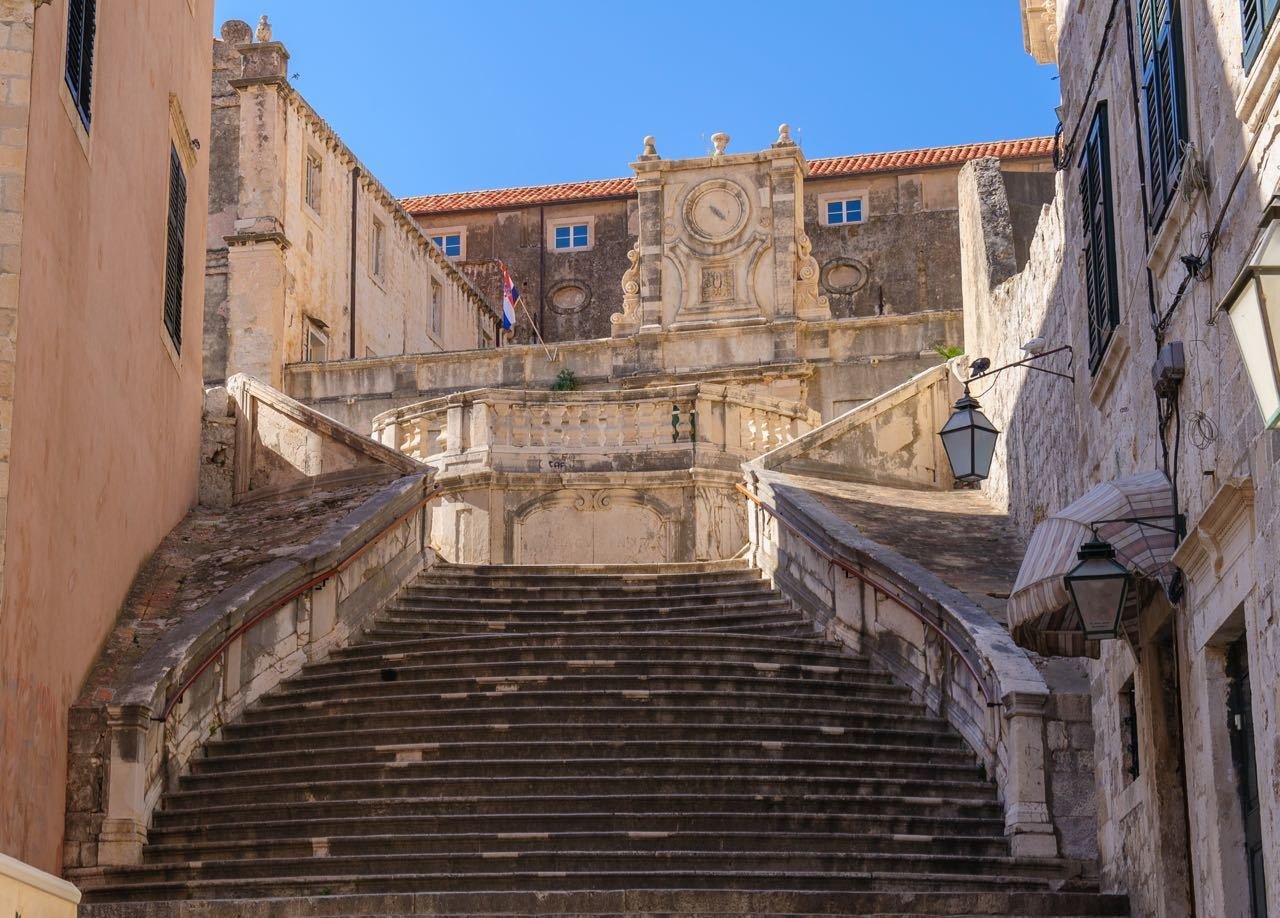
x,y
449,243
844,211
572,236
835,212
853,211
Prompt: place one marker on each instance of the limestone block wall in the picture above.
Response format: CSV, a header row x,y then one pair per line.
x,y
311,257
1175,843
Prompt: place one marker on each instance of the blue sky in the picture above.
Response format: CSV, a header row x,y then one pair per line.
x,y
448,96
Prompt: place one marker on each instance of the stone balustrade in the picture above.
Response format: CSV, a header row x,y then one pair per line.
x,y
642,430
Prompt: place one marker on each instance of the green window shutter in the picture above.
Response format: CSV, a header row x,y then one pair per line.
x,y
1101,293
175,249
1163,95
1253,27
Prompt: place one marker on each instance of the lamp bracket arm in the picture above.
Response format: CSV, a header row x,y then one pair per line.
x,y
1179,520
1027,362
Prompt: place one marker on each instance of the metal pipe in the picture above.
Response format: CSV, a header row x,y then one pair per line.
x,y
355,191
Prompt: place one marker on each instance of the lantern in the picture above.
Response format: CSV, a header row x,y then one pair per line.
x,y
1253,305
969,439
1099,587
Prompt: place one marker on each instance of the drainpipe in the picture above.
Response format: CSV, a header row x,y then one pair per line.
x,y
355,190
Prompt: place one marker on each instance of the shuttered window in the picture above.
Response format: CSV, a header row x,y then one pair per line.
x,y
82,21
174,249
1164,98
1099,238
1256,17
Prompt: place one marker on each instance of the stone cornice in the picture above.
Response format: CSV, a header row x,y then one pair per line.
x,y
1228,511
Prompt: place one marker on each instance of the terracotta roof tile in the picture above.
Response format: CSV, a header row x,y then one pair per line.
x,y
829,167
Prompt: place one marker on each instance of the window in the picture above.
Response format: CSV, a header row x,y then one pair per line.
x,y
315,341
1164,98
449,243
1129,729
1256,17
1099,238
572,236
437,307
377,232
312,181
847,210
82,27
175,249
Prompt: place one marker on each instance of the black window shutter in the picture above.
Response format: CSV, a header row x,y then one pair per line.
x,y
1099,245
82,19
174,251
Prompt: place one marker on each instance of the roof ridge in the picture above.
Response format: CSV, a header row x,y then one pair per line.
x,y
442,194
1036,138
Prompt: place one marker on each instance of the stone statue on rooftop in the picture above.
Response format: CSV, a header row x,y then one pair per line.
x,y
719,140
264,29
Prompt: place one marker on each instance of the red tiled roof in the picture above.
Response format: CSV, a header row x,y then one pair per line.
x,y
830,167
933,156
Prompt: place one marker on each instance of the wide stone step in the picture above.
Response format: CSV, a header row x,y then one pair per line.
x,y
868,744
400,681
708,619
247,808
727,647
318,820
383,686
503,710
646,840
857,673
487,594
585,894
600,613
414,767
462,789
963,867
871,760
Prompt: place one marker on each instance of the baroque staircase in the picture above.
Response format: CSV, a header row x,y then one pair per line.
x,y
595,741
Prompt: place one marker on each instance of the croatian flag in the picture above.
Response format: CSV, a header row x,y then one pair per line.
x,y
509,297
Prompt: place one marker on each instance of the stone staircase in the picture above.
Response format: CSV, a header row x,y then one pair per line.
x,y
592,741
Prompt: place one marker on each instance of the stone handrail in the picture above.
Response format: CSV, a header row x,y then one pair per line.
x,y
516,430
802,545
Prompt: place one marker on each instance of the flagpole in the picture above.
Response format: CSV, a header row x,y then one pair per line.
x,y
552,356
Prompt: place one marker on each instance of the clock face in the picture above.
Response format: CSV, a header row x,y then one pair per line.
x,y
716,210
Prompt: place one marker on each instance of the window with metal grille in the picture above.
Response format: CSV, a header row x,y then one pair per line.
x,y
82,23
175,248
1256,17
1164,98
1129,729
1099,238
312,182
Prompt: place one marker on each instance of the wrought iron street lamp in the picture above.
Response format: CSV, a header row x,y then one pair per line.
x,y
1099,588
1253,305
969,439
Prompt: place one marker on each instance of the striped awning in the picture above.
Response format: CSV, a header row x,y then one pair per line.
x,y
1040,613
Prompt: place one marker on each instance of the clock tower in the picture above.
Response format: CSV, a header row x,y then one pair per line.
x,y
721,241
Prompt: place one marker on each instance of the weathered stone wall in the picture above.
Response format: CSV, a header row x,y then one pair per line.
x,y
99,408
282,263
902,260
1165,838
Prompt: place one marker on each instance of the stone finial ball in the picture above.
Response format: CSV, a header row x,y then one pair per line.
x,y
649,140
784,129
236,32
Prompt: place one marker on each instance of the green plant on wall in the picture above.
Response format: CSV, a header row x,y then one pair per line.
x,y
566,381
947,353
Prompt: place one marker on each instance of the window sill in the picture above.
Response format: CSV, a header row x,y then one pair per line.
x,y
1262,83
1104,378
1164,245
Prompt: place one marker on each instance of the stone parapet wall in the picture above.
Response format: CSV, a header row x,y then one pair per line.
x,y
827,366
514,430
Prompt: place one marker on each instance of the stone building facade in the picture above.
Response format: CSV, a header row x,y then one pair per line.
x,y
882,227
1169,157
311,259
104,126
